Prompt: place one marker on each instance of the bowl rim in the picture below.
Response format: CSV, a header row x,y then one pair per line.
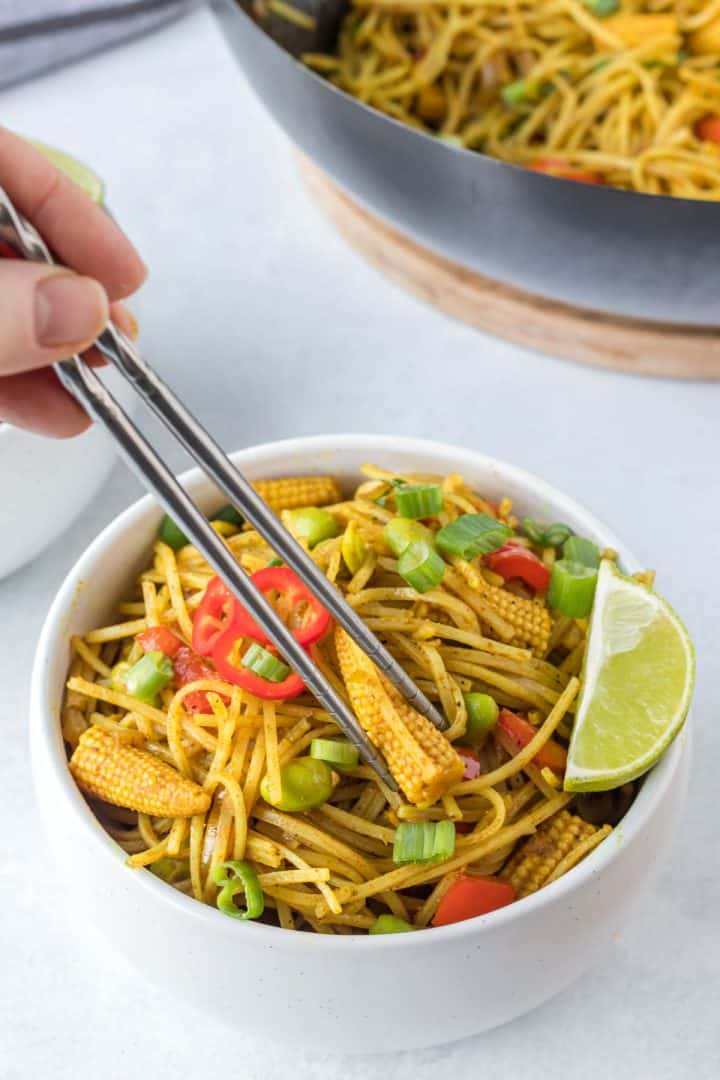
x,y
44,719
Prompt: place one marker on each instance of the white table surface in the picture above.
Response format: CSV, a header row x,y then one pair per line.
x,y
270,326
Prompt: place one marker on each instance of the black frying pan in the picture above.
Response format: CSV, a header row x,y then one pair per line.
x,y
616,251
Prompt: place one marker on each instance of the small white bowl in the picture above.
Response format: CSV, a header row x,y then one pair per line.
x,y
337,993
47,483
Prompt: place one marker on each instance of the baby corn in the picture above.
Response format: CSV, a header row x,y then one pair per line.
x,y
419,757
135,779
534,863
292,492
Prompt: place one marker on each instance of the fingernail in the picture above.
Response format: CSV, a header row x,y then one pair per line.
x,y
133,328
69,310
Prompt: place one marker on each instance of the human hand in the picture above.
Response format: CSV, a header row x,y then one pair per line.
x,y
49,313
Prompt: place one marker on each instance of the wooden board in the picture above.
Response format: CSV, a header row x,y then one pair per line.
x,y
623,344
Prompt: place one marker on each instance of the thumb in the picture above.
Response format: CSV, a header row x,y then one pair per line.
x,y
46,314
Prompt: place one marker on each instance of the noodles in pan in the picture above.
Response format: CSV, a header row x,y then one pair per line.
x,y
190,770
621,93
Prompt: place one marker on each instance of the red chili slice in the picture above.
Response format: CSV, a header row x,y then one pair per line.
x,y
189,668
513,561
248,680
212,617
296,602
159,639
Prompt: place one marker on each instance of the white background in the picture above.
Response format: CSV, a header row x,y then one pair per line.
x,y
269,326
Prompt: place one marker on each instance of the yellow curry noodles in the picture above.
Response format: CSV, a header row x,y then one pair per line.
x,y
208,763
619,92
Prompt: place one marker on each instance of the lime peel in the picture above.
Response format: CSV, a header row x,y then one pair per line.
x,y
637,683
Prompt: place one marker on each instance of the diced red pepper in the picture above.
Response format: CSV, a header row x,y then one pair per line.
x,y
708,129
519,731
159,639
189,668
213,616
304,614
558,167
248,680
468,897
471,762
514,561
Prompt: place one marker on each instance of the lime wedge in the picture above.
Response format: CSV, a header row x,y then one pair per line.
x,y
75,170
636,688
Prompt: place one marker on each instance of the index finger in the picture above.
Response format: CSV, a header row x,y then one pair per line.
x,y
81,235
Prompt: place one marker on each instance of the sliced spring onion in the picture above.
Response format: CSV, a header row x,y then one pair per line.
x,y
533,531
233,877
390,924
399,533
576,549
170,870
275,562
423,841
230,514
421,566
572,588
555,535
312,524
336,752
264,664
471,535
171,534
418,500
118,675
482,714
602,8
517,93
149,676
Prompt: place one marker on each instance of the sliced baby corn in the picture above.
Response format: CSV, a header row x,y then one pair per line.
x,y
293,492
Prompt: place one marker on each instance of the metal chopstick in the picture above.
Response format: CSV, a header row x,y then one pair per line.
x,y
97,400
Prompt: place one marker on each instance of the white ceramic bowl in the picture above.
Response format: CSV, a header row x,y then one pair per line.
x,y
337,993
47,483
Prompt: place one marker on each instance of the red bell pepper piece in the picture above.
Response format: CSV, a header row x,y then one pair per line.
x,y
248,680
304,614
471,762
159,639
514,561
551,756
212,617
708,129
558,167
468,897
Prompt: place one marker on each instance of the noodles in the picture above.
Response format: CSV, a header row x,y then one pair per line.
x,y
547,83
330,867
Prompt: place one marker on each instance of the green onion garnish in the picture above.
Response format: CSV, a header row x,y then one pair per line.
x,y
556,535
575,549
118,676
263,664
602,8
400,533
517,93
170,870
337,752
312,524
171,534
230,514
275,562
423,841
390,924
149,676
533,531
482,714
234,877
572,588
419,500
471,535
421,566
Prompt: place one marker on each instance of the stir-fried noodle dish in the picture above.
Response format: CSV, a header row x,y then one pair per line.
x,y
618,92
206,760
